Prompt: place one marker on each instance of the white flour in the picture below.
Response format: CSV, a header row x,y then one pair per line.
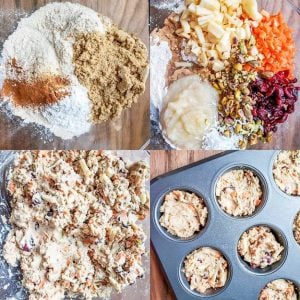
x,y
160,55
43,44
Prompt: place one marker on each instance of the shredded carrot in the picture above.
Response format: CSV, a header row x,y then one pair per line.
x,y
274,39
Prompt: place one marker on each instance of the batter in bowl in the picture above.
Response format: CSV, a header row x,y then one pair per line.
x,y
205,269
279,289
258,247
183,213
239,192
286,172
74,222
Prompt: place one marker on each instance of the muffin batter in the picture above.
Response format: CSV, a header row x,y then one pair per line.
x,y
297,228
239,192
286,172
74,224
183,213
258,246
279,289
205,269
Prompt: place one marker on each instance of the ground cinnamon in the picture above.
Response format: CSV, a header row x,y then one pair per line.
x,y
40,92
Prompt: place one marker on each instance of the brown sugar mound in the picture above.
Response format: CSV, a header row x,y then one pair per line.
x,y
38,92
113,68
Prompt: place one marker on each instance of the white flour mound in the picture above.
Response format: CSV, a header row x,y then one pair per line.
x,y
43,44
160,55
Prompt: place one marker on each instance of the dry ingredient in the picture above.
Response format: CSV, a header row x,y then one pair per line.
x,y
49,57
206,269
41,92
160,55
114,68
296,228
286,172
279,289
239,192
74,217
259,247
183,213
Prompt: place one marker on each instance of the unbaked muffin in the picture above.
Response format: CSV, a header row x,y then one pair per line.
x,y
279,289
205,269
296,228
239,192
286,172
259,247
183,213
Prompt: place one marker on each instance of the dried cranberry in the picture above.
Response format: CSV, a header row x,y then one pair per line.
x,y
26,248
275,99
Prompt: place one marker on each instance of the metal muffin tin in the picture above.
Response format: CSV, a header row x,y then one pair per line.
x,y
222,231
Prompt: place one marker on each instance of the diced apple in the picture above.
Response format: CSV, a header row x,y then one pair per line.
x,y
192,8
186,26
200,34
212,54
218,17
218,66
251,9
232,3
215,29
196,51
202,11
211,4
203,20
203,59
241,33
224,45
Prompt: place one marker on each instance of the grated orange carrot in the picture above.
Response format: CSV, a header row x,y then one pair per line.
x,y
274,39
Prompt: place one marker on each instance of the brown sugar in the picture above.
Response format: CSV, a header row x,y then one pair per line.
x,y
39,92
113,68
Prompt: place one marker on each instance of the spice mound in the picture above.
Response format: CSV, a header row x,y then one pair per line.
x,y
286,172
183,213
259,247
67,62
239,192
206,269
74,222
280,289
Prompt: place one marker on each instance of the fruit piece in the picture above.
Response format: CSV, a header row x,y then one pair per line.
x,y
250,8
211,4
215,29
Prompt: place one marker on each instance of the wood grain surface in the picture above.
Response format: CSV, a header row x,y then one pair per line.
x,y
161,162
131,131
287,136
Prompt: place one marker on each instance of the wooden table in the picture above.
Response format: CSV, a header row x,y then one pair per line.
x,y
131,131
162,162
